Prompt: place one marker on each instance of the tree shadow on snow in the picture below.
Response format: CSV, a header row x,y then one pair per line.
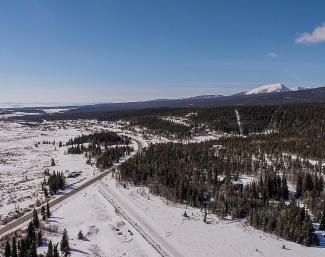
x,y
78,251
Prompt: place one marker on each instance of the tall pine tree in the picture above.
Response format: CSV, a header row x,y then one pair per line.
x,y
64,247
56,251
49,249
7,252
35,219
14,247
48,212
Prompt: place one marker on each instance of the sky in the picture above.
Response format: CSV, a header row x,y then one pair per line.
x,y
80,51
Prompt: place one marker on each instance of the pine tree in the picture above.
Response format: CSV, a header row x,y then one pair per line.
x,y
42,210
64,247
299,185
32,250
14,247
39,238
49,249
46,192
43,213
284,188
307,230
7,252
48,212
31,235
322,222
35,218
52,162
56,251
80,235
22,248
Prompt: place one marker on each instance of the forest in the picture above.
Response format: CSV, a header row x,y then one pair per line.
x,y
212,174
162,127
281,146
105,147
100,138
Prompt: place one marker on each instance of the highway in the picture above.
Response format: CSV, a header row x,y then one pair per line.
x,y
15,225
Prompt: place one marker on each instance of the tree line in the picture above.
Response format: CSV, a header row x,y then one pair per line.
x,y
157,125
106,156
100,138
199,173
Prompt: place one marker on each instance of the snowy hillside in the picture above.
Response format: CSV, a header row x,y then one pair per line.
x,y
271,88
298,88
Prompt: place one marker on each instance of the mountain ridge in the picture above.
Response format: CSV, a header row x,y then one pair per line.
x,y
268,88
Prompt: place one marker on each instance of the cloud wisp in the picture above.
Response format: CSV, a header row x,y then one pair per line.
x,y
272,55
315,37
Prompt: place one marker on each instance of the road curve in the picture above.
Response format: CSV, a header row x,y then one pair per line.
x,y
13,226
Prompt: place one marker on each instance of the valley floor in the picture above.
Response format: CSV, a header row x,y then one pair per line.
x,y
106,233
107,230
163,222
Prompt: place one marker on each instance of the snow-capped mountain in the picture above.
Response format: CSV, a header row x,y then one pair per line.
x,y
298,88
271,88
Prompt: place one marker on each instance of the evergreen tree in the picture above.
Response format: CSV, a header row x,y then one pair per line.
x,y
56,251
322,222
48,212
7,252
31,234
39,238
52,162
14,252
56,181
43,213
307,231
32,252
46,193
22,248
80,235
284,188
64,247
35,218
49,249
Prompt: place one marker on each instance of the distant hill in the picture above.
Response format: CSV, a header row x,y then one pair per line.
x,y
274,97
264,95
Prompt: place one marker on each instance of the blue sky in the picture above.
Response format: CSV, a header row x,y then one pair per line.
x,y
97,51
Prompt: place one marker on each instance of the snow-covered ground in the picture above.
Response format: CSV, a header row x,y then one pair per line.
x,y
22,164
56,110
106,232
192,237
203,138
178,120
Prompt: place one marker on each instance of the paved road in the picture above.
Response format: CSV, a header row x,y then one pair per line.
x,y
13,226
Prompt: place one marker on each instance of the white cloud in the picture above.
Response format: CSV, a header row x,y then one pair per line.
x,y
317,36
272,55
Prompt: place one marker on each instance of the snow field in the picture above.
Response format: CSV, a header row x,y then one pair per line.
x,y
106,232
191,237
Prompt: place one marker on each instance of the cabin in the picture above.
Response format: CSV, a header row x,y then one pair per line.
x,y
236,184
